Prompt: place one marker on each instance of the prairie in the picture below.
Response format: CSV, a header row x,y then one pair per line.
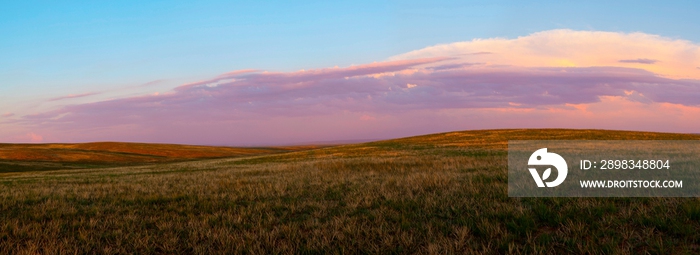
x,y
33,157
434,194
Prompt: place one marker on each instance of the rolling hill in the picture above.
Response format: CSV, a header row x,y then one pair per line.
x,y
434,194
28,157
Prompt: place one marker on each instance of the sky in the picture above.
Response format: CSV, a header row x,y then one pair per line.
x,y
249,73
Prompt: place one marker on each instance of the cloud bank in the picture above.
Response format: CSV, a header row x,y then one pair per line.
x,y
672,58
559,78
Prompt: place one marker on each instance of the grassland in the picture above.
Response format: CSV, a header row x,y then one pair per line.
x,y
435,194
36,157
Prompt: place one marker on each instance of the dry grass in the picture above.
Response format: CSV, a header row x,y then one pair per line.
x,y
32,157
437,194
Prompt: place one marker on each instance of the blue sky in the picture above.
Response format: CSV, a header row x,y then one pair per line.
x,y
51,49
68,45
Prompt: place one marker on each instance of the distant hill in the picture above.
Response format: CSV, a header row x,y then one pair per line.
x,y
500,137
21,157
494,139
27,157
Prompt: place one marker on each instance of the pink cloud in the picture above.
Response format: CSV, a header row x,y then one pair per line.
x,y
34,138
74,96
233,111
225,76
448,88
326,73
671,57
8,115
452,66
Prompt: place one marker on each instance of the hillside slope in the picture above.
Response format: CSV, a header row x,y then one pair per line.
x,y
26,157
465,142
434,194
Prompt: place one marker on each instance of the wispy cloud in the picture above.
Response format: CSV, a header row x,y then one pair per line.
x,y
452,66
222,77
8,114
639,61
152,83
71,96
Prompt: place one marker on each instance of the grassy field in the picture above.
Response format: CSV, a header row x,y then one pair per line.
x,y
434,194
36,157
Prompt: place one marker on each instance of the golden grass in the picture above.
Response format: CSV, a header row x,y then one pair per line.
x,y
114,154
436,194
